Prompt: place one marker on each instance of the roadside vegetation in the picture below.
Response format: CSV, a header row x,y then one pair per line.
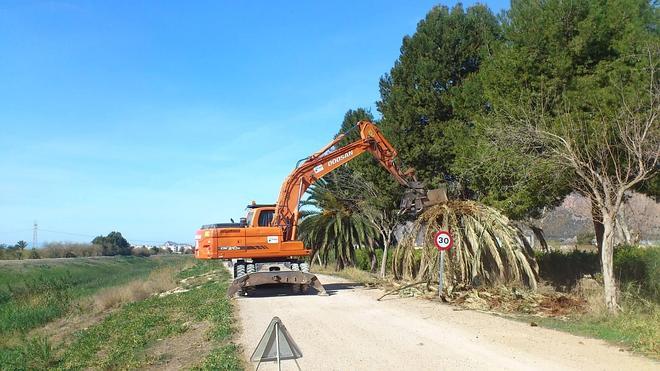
x,y
112,244
120,312
637,270
33,294
569,296
511,114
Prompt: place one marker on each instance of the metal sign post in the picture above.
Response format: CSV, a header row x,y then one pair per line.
x,y
441,271
443,242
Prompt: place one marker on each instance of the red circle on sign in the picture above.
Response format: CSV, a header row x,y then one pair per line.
x,y
443,241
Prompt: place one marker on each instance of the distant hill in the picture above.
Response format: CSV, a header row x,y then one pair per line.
x,y
573,218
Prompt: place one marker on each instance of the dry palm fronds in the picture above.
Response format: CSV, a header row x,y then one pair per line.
x,y
487,249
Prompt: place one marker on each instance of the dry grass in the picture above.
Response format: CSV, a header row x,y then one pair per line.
x,y
158,281
352,274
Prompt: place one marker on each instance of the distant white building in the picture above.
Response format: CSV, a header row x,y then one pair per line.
x,y
178,248
142,246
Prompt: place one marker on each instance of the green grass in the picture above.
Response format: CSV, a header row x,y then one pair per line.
x,y
223,358
123,338
34,294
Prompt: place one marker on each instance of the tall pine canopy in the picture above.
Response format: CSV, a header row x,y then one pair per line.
x,y
423,100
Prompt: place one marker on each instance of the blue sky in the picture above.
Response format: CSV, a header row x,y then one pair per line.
x,y
152,118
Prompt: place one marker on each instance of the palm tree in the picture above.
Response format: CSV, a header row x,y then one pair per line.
x,y
20,246
488,247
335,226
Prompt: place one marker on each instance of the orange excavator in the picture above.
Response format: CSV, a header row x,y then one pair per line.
x,y
263,246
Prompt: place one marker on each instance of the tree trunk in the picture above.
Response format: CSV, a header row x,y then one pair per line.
x,y
383,262
538,233
623,231
607,262
598,229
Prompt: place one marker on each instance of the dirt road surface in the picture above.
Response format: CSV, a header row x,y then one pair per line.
x,y
350,330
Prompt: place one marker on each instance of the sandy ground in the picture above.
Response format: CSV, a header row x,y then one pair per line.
x,y
350,330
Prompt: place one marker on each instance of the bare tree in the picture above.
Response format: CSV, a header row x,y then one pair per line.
x,y
609,156
385,221
367,200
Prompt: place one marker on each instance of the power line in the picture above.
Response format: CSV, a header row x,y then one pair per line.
x,y
67,233
36,229
16,231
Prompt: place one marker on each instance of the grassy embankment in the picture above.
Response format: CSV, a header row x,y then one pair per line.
x,y
103,314
36,292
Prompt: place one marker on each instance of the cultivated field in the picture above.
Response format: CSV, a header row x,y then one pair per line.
x,y
117,313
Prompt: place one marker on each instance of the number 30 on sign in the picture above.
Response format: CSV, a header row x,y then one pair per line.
x,y
443,240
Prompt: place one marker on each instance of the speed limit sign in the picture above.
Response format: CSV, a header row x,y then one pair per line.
x,y
443,240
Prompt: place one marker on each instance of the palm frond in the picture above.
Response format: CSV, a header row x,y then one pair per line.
x,y
487,247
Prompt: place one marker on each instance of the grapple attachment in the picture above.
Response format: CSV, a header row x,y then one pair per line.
x,y
416,198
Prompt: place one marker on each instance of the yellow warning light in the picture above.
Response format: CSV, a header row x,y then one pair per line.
x,y
254,203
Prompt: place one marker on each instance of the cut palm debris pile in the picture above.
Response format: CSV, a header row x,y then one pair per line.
x,y
498,299
512,300
488,248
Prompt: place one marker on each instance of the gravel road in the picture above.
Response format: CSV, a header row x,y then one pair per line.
x,y
350,330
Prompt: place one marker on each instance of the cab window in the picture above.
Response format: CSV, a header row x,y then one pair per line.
x,y
265,218
249,218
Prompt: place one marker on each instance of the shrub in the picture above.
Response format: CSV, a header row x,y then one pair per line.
x,y
68,250
633,265
141,251
362,260
639,266
564,269
585,238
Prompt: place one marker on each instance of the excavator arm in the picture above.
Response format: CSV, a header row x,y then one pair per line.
x,y
324,161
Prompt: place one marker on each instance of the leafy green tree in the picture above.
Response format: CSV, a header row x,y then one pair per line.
x,y
367,168
425,103
351,118
20,247
568,77
113,244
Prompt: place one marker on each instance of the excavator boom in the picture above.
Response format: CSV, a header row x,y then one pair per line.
x,y
263,246
326,160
